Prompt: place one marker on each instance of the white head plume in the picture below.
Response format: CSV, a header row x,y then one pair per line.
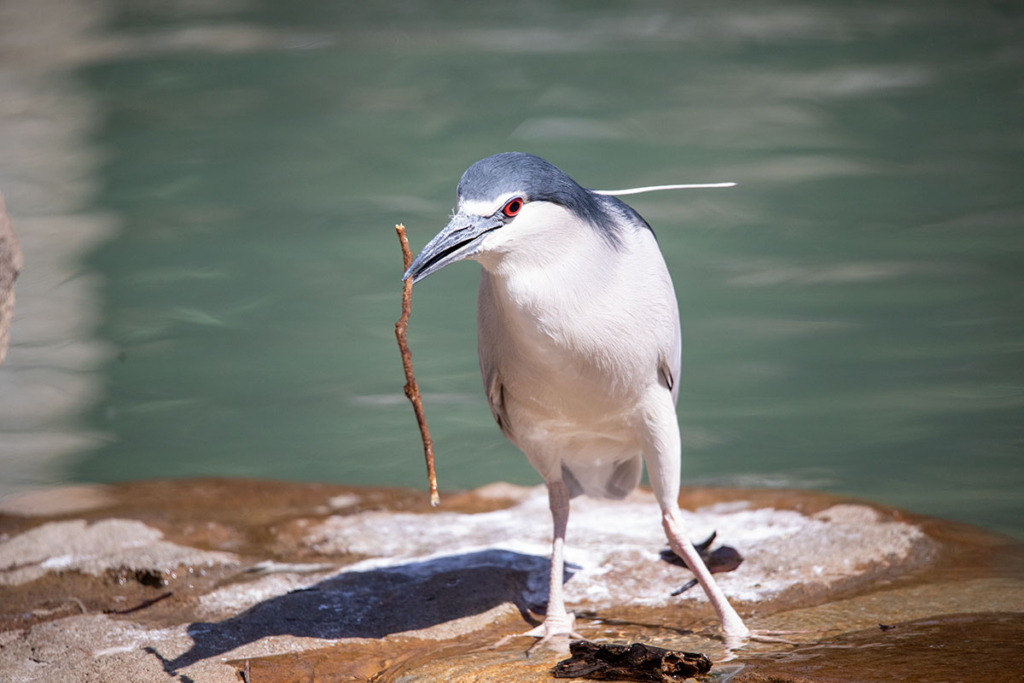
x,y
657,188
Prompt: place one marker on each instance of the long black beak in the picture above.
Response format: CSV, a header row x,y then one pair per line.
x,y
460,239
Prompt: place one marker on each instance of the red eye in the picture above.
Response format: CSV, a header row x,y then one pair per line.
x,y
513,207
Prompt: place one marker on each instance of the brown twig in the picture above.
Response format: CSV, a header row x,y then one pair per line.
x,y
142,605
412,389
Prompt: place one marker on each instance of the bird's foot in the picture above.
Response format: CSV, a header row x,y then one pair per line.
x,y
768,636
556,628
735,641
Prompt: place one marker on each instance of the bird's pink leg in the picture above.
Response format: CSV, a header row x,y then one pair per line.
x,y
557,622
732,625
662,454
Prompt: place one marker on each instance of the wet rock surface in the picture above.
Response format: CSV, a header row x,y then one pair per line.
x,y
955,647
198,579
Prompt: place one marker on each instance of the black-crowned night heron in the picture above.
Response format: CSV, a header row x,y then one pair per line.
x,y
579,341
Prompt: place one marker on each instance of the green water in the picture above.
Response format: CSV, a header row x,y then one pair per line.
x,y
853,312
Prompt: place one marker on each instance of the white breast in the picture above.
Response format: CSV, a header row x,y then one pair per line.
x,y
572,330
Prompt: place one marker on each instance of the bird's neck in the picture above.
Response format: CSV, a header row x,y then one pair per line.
x,y
545,293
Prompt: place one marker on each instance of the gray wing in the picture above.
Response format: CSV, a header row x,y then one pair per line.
x,y
488,333
496,399
670,365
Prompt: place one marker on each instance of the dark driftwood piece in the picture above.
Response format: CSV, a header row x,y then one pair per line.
x,y
636,662
412,389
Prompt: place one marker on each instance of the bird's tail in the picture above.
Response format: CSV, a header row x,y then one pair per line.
x,y
614,480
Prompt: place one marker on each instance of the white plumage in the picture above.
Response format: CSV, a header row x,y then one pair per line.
x,y
570,354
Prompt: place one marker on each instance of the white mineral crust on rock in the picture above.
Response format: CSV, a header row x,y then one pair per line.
x,y
110,544
613,547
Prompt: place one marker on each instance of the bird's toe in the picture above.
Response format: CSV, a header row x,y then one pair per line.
x,y
555,632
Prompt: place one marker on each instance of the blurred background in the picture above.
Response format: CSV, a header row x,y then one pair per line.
x,y
205,193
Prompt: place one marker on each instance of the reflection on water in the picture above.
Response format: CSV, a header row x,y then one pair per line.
x,y
49,175
852,311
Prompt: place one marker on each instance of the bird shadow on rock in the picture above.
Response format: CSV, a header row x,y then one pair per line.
x,y
379,602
